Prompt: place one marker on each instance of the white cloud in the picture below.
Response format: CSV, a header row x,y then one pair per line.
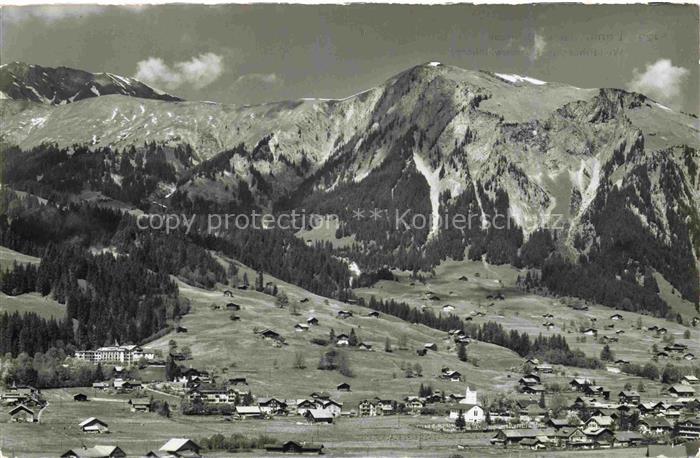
x,y
266,78
157,73
661,81
199,71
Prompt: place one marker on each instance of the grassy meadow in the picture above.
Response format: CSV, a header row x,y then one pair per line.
x,y
230,348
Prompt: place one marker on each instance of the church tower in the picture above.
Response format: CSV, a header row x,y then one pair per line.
x,y
470,397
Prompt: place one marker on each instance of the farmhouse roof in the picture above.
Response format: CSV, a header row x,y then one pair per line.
x,y
602,420
629,394
176,444
98,451
140,402
655,422
319,413
248,410
20,408
684,389
90,421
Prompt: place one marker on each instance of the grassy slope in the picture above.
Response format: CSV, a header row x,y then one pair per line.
x,y
673,298
524,311
325,232
9,257
217,342
31,302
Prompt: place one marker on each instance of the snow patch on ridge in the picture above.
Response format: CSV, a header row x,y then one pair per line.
x,y
36,93
38,122
512,78
119,79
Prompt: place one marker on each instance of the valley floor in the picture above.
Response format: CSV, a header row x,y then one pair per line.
x,y
137,433
229,348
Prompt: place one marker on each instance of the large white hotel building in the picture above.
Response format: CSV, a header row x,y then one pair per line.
x,y
118,354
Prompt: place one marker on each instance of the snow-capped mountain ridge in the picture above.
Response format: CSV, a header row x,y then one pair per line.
x,y
61,85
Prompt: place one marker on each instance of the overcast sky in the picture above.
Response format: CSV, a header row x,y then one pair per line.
x,y
247,54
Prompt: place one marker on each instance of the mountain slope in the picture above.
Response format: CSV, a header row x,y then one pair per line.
x,y
433,139
58,86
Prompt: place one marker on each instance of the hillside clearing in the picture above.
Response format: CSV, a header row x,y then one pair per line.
x,y
8,257
43,306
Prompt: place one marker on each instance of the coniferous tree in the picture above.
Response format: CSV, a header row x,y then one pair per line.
x,y
352,339
172,370
606,354
460,423
462,351
99,375
259,281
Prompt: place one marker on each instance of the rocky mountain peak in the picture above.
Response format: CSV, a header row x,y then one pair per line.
x,y
61,85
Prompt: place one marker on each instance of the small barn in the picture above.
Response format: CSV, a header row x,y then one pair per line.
x,y
181,447
318,416
22,414
295,447
94,425
98,451
140,404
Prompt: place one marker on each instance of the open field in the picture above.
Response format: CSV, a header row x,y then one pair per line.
x,y
219,345
9,257
674,300
44,306
139,433
30,302
325,232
